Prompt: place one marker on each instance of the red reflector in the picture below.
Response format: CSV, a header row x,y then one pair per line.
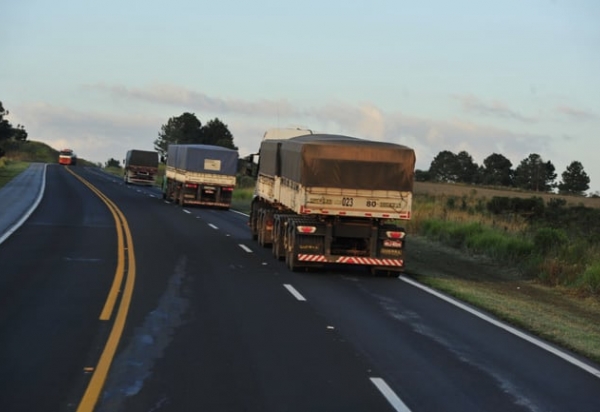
x,y
395,235
307,229
228,189
191,185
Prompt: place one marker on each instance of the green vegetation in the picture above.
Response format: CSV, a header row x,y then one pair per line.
x,y
553,251
551,313
554,244
114,170
242,197
9,169
30,151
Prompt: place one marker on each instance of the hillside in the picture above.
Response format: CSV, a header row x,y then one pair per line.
x,y
32,151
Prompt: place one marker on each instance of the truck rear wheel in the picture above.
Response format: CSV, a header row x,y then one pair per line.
x,y
291,259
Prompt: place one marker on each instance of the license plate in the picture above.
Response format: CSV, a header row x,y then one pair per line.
x,y
392,243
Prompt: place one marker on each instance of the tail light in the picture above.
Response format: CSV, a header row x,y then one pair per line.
x,y
191,185
306,229
390,234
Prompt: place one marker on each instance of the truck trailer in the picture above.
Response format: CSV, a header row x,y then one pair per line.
x,y
198,174
140,167
325,199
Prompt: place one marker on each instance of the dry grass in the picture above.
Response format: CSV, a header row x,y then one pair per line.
x,y
460,190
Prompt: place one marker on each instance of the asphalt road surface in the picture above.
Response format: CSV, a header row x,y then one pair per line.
x,y
203,319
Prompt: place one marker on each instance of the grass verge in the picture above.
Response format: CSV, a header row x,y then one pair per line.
x,y
550,313
9,169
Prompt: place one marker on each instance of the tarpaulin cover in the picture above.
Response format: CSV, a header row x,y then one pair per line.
x,y
202,158
141,158
322,160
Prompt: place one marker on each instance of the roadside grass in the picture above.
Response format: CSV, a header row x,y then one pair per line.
x,y
553,314
548,254
241,199
9,169
555,293
114,170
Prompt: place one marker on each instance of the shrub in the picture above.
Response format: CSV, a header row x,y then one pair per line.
x,y
547,239
589,281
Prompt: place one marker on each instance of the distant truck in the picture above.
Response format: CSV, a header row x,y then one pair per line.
x,y
67,157
199,174
325,199
140,167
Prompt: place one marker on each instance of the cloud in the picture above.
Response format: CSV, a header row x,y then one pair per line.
x,y
576,114
495,108
177,96
97,135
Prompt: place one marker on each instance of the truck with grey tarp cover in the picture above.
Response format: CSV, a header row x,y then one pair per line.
x,y
141,167
198,174
330,199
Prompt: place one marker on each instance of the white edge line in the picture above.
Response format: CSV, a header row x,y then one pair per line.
x,y
294,292
213,226
238,212
30,211
565,356
390,395
246,248
186,211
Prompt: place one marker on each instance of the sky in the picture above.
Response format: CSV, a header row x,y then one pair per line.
x,y
500,76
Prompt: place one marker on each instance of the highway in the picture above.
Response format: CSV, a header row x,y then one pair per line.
x,y
206,320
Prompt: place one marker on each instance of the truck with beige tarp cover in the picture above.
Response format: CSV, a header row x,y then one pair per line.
x,y
324,199
199,174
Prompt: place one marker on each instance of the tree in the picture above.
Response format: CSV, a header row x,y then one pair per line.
x,y
5,126
112,163
422,175
215,132
535,174
444,167
179,130
497,171
187,129
575,180
7,131
19,133
466,168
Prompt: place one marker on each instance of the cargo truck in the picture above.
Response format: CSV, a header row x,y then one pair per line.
x,y
199,174
329,199
140,167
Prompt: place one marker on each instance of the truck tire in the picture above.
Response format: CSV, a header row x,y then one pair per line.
x,y
290,253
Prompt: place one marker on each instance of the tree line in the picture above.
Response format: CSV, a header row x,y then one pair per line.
x,y
8,133
532,173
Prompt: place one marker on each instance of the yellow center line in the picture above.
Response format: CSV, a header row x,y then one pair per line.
x,y
92,392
